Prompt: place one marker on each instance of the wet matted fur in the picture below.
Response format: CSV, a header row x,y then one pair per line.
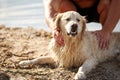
x,y
81,47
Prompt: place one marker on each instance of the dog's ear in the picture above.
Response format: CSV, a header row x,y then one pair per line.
x,y
84,23
84,26
57,21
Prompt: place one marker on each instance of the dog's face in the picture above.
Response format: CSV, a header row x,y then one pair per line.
x,y
71,23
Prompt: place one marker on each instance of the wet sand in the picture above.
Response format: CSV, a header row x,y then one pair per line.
x,y
18,44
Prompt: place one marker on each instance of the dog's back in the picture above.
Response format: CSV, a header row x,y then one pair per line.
x,y
78,51
102,54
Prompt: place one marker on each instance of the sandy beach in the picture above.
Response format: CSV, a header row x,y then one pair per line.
x,y
18,44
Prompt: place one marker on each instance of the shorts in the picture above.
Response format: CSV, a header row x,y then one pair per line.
x,y
90,13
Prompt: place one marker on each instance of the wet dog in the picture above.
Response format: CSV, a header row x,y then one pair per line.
x,y
81,47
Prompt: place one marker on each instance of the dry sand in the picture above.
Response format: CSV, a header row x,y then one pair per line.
x,y
18,44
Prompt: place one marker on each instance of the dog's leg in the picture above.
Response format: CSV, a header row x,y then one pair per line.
x,y
40,60
87,66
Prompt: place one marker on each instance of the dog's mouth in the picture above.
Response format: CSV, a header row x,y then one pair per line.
x,y
73,30
72,34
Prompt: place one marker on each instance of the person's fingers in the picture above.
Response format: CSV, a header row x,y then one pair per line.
x,y
103,40
60,41
100,43
100,39
58,38
103,43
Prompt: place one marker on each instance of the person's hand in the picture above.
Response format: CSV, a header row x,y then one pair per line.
x,y
58,37
103,39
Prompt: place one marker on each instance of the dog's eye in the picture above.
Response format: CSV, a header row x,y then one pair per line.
x,y
68,19
78,20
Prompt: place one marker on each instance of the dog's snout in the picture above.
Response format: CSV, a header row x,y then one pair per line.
x,y
74,27
73,30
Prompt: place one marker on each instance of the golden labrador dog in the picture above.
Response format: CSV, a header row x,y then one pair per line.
x,y
81,47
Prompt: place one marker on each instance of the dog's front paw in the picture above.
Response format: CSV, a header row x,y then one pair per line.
x,y
80,76
24,63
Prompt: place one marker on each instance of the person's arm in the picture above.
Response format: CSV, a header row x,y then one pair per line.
x,y
112,17
52,7
109,16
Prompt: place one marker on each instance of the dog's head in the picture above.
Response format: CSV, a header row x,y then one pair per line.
x,y
71,23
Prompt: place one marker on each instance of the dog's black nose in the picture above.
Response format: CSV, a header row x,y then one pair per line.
x,y
73,31
74,28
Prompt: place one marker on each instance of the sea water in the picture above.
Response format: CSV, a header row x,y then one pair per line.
x,y
30,13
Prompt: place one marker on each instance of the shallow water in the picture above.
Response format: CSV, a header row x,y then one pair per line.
x,y
29,13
